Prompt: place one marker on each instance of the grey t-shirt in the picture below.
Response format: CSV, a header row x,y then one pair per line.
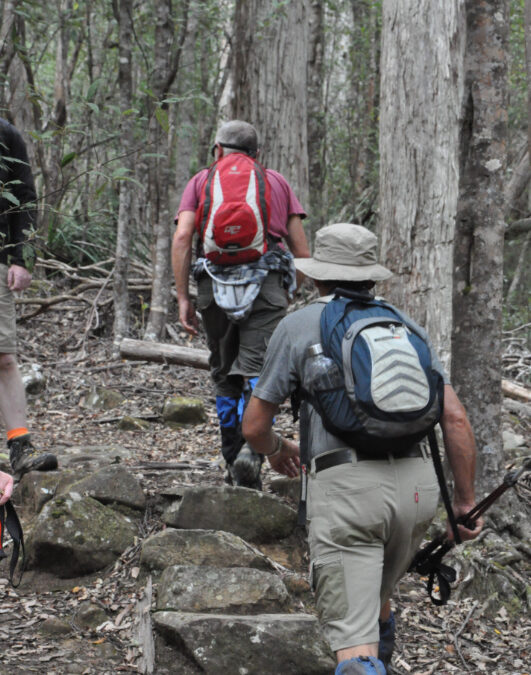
x,y
283,368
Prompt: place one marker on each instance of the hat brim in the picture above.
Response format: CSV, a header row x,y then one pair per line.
x,y
327,271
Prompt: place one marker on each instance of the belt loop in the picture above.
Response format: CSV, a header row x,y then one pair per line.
x,y
424,450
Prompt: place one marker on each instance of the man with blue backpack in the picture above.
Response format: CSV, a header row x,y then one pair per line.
x,y
372,388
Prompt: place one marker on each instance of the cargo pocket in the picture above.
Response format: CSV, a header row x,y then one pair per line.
x,y
272,292
327,579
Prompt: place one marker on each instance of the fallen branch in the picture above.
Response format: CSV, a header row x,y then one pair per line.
x,y
516,391
140,350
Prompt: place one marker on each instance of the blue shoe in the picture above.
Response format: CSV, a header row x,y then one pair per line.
x,y
387,640
361,665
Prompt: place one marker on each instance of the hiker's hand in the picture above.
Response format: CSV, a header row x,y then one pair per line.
x,y
465,533
287,461
18,278
6,487
187,316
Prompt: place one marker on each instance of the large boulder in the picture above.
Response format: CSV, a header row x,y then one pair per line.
x,y
113,484
252,515
265,644
191,588
38,487
75,535
199,547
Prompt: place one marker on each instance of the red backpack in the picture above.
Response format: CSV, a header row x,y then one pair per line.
x,y
232,218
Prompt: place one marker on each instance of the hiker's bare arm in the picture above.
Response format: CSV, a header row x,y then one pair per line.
x,y
181,257
461,451
297,242
257,430
6,487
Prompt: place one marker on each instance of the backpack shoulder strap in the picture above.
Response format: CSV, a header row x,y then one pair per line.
x,y
206,197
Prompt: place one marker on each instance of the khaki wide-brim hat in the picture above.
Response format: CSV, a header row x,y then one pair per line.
x,y
344,252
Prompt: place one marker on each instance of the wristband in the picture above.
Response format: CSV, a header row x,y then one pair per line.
x,y
278,446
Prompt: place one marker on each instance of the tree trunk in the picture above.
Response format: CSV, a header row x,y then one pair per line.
x,y
316,119
7,48
160,174
527,32
419,134
124,15
479,237
165,70
270,83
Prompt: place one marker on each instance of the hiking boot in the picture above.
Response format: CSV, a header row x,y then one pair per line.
x,y
387,640
245,470
231,443
361,665
24,457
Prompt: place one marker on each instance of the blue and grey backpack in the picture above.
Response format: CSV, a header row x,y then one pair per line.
x,y
392,395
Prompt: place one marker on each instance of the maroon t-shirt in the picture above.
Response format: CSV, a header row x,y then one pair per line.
x,y
284,203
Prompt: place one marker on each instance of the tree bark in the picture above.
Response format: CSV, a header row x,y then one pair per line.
x,y
480,229
124,15
166,64
316,118
270,83
419,164
527,32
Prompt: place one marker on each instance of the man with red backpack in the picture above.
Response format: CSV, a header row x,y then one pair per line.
x,y
242,214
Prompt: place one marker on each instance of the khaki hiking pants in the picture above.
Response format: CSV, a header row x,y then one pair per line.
x,y
365,522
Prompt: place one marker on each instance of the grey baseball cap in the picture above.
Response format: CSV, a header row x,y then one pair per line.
x,y
238,135
344,252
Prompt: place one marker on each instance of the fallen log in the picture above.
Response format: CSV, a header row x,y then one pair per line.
x,y
141,350
516,391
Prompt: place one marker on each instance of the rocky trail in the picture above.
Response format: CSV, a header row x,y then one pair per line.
x,y
157,604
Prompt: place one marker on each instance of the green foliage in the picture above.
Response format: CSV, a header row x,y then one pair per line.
x,y
517,69
82,159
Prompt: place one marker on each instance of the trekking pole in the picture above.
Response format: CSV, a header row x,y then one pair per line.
x,y
428,560
510,479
